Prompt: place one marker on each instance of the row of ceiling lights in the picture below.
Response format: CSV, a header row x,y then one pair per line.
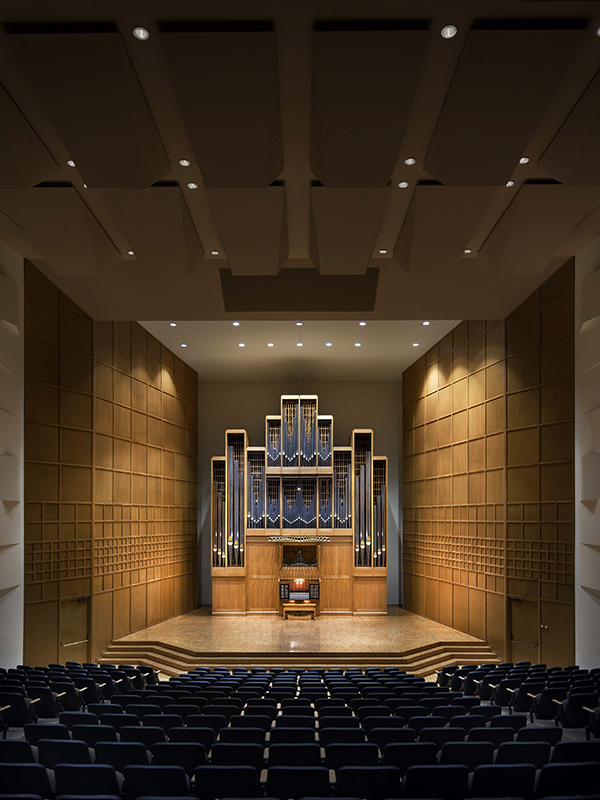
x,y
236,324
447,32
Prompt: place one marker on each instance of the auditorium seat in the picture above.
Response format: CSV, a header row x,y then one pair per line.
x,y
447,782
162,781
338,754
246,754
536,753
570,752
494,735
406,754
502,780
62,751
440,736
34,732
552,735
121,754
146,734
369,783
17,751
188,755
288,735
295,755
91,734
471,754
383,736
562,779
241,735
85,779
296,782
214,781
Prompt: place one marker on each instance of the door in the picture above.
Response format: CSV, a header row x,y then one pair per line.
x,y
524,630
75,630
557,634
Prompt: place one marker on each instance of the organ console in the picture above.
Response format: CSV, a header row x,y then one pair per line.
x,y
299,510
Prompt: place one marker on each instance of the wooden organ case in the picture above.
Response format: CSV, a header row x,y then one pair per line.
x,y
299,511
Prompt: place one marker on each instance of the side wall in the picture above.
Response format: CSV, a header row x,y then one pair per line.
x,y
233,404
11,457
110,477
488,471
587,458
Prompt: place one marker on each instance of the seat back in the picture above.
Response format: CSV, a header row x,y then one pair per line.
x,y
60,751
83,779
158,781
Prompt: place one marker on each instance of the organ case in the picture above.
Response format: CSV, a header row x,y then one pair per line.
x,y
295,487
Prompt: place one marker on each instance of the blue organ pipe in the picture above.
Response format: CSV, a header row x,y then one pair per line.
x,y
290,437
324,447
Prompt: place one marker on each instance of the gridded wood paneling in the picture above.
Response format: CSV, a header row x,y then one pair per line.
x,y
110,470
488,465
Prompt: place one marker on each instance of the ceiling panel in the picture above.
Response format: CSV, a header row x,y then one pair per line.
x,y
345,225
24,159
295,290
358,114
88,88
227,84
252,225
574,156
438,226
502,86
535,225
63,228
158,227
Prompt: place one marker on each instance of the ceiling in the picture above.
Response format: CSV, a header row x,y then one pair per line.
x,y
296,118
387,348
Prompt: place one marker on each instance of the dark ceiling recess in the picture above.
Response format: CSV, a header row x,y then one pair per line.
x,y
60,27
372,25
300,290
217,26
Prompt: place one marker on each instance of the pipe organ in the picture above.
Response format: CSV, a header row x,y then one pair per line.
x,y
296,488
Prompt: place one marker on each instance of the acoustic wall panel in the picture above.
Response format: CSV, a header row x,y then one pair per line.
x,y
488,472
232,112
498,95
110,486
373,104
89,89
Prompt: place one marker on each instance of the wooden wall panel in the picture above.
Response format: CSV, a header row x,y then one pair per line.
x,y
488,492
108,515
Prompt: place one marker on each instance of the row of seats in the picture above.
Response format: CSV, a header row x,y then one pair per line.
x,y
208,782
333,755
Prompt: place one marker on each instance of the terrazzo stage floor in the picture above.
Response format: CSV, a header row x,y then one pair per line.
x,y
397,632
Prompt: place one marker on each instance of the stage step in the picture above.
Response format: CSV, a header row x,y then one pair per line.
x,y
422,661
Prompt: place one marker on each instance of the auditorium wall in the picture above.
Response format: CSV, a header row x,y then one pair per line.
x,y
587,458
11,457
488,478
110,481
353,404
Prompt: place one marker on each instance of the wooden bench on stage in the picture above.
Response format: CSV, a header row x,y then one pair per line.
x,y
300,610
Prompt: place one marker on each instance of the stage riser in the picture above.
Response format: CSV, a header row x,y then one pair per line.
x,y
422,662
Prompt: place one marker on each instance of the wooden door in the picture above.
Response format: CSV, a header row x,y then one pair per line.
x,y
74,630
557,634
524,630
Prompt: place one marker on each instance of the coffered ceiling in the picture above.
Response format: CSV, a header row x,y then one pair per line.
x,y
254,160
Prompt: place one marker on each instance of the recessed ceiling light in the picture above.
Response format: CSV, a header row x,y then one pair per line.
x,y
510,183
403,185
183,344
299,344
362,324
299,324
141,34
382,252
192,185
328,344
184,162
270,344
426,322
241,344
214,252
415,344
85,186
449,31
235,324
467,250
70,163
130,253
597,31
410,162
524,160
356,344
173,324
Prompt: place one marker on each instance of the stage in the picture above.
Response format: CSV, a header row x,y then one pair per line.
x,y
399,638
